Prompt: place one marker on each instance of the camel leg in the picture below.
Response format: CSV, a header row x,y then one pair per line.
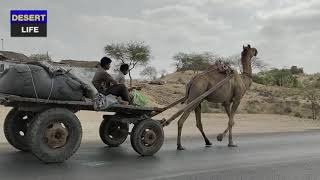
x,y
227,107
231,122
199,124
182,119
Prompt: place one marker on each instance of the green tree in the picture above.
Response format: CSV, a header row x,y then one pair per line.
x,y
193,61
277,77
133,53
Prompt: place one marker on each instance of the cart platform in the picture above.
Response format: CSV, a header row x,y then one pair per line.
x,y
87,104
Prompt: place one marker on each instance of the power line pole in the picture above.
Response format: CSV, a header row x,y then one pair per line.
x,y
2,43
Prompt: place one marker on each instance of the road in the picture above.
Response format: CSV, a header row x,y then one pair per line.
x,y
259,156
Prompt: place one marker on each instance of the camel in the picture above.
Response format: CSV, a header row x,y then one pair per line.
x,y
229,95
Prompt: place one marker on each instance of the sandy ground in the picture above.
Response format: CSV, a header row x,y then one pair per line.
x,y
212,123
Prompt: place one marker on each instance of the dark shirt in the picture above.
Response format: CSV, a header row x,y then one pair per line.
x,y
102,80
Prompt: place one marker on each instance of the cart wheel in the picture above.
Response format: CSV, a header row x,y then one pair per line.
x,y
15,128
147,137
54,135
113,133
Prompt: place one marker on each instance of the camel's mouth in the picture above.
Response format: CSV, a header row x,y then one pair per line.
x,y
255,52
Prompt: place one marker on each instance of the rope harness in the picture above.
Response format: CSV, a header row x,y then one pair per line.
x,y
220,66
34,86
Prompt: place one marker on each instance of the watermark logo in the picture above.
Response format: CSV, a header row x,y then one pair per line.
x,y
28,23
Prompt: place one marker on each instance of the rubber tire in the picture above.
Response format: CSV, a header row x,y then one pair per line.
x,y
136,134
12,126
104,128
37,129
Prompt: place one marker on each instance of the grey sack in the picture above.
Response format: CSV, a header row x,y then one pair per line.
x,y
29,80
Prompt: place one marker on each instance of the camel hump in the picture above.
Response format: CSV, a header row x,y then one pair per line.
x,y
221,67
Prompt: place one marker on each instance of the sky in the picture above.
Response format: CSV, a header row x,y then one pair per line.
x,y
285,32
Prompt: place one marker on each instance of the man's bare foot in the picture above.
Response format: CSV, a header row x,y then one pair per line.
x,y
122,102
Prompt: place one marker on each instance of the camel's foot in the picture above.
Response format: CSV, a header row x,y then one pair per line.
x,y
180,148
232,145
208,143
220,137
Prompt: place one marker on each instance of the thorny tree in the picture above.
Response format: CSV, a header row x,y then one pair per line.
x,y
313,98
132,53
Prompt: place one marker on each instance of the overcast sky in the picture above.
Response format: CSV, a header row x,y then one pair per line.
x,y
285,32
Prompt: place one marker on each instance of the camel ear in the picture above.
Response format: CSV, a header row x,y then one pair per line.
x,y
243,47
249,46
256,52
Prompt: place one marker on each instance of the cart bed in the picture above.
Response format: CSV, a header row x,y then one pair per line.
x,y
87,104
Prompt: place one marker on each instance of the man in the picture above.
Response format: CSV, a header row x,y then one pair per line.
x,y
120,77
105,84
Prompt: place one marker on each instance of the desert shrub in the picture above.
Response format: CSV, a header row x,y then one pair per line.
x,y
252,107
180,81
281,107
296,70
298,114
205,107
265,94
40,57
277,77
316,83
287,110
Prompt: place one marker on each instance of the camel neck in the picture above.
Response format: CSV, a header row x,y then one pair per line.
x,y
247,80
246,65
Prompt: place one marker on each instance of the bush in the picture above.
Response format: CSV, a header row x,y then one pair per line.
x,y
205,107
193,61
253,107
277,77
296,70
298,114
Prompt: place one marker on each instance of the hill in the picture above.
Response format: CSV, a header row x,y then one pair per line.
x,y
259,99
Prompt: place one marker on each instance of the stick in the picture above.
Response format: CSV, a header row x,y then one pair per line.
x,y
199,99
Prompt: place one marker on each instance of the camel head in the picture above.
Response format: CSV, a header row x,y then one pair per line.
x,y
247,53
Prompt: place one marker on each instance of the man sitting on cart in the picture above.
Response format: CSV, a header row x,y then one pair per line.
x,y
121,79
105,84
123,71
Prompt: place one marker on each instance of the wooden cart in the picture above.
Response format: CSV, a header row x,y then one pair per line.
x,y
52,132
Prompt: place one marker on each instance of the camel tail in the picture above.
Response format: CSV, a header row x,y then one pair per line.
x,y
188,86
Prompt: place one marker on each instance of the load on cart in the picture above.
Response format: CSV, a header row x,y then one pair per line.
x,y
43,119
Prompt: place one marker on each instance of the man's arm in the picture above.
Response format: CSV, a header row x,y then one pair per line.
x,y
110,79
122,80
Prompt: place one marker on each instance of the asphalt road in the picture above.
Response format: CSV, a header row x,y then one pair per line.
x,y
275,156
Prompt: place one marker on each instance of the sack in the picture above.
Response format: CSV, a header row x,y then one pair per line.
x,y
102,102
138,98
29,80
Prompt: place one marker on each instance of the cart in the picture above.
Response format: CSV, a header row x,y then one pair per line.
x,y
52,132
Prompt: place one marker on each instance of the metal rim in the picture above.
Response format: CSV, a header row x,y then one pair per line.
x,y
56,135
22,124
116,130
148,137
